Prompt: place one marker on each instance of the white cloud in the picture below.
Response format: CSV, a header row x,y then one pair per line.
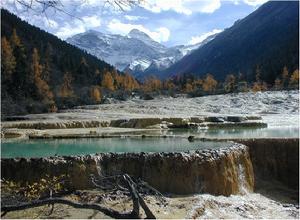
x,y
254,2
91,21
78,26
202,37
160,34
134,18
182,6
68,30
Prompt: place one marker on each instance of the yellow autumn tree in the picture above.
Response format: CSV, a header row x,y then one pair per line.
x,y
108,81
66,89
42,87
96,94
129,83
8,61
209,84
15,40
294,79
259,85
168,85
152,84
188,87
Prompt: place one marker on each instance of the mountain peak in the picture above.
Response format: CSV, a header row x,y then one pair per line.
x,y
135,33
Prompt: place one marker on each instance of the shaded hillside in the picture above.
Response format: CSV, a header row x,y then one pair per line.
x,y
41,73
268,38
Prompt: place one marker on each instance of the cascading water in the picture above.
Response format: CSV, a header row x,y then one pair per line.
x,y
242,180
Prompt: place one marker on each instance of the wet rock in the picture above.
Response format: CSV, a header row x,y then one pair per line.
x,y
215,119
191,138
147,97
236,118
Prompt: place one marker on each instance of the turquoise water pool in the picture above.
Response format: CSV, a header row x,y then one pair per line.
x,y
82,146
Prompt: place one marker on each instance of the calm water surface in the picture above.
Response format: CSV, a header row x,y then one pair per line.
x,y
66,147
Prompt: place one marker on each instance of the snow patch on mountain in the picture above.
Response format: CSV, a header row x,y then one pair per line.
x,y
136,52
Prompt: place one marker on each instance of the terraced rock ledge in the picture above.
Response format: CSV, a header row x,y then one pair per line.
x,y
217,171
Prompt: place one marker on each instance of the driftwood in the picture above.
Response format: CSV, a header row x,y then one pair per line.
x,y
130,187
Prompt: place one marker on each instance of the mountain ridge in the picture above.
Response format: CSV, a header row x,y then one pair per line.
x,y
267,38
136,52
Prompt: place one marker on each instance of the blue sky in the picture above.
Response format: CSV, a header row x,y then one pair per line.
x,y
170,22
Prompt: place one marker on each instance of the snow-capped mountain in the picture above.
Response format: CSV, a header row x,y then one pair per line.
x,y
136,52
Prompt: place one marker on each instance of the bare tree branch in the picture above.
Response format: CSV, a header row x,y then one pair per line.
x,y
117,180
107,211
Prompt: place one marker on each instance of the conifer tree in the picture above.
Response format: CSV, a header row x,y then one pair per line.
x,y
8,61
230,82
285,77
20,77
107,81
41,85
66,89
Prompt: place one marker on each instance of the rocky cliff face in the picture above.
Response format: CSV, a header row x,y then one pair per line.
x,y
221,172
275,159
224,171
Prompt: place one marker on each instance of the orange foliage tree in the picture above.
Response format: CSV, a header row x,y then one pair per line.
x,y
108,81
152,84
42,87
209,83
8,61
294,79
96,94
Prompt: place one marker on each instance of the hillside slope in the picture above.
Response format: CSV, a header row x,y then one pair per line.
x,y
268,37
41,72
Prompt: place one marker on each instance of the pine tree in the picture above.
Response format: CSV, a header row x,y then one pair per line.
x,y
83,74
66,89
285,77
259,85
8,62
20,78
47,63
230,83
277,84
258,74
